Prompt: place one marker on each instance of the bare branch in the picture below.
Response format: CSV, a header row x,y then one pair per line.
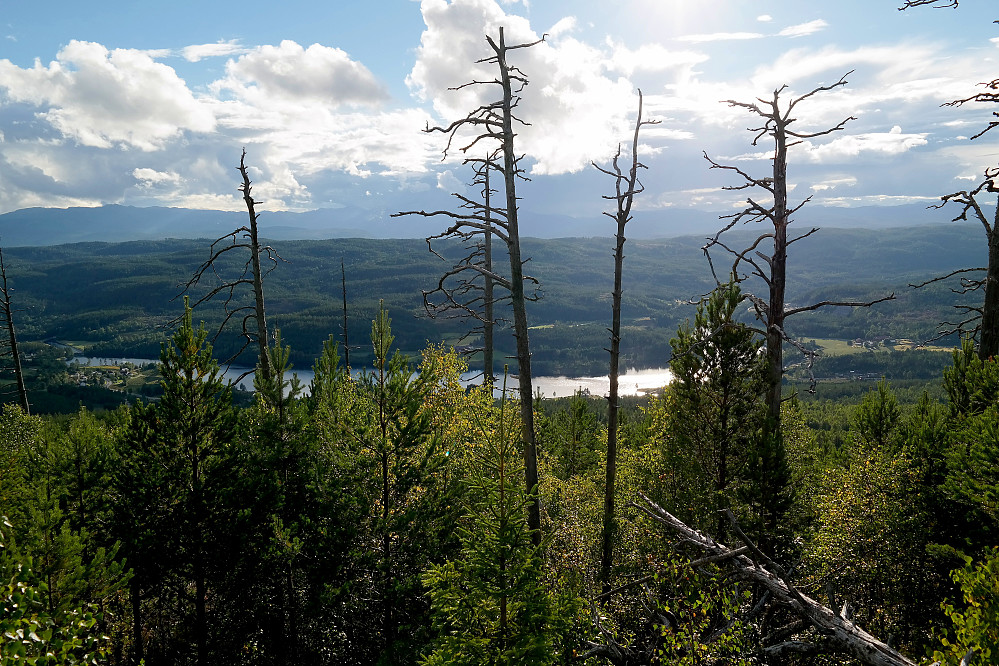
x,y
841,634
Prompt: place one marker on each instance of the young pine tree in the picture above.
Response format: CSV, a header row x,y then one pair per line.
x,y
717,393
490,605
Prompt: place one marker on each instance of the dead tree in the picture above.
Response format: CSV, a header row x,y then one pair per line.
x,y
813,627
467,289
626,186
492,125
981,323
766,257
7,315
243,240
991,92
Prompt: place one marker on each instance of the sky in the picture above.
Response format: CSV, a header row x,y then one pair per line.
x,y
150,104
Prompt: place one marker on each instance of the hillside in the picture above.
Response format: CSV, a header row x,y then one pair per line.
x,y
117,297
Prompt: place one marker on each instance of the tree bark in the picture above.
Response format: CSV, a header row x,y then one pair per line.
x,y
989,338
258,279
518,299
626,187
487,291
839,633
778,275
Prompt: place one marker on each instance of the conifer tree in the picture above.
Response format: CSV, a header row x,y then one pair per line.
x,y
171,486
718,389
490,604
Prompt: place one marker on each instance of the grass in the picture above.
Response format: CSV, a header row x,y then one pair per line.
x,y
843,347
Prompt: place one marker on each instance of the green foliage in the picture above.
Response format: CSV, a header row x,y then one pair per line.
x,y
868,546
971,383
172,483
712,437
572,436
702,616
876,420
490,604
31,632
976,619
973,387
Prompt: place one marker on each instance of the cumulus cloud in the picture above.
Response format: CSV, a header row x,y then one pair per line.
x,y
577,110
102,98
291,74
764,18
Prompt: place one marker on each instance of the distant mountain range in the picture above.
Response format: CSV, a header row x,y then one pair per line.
x,y
55,226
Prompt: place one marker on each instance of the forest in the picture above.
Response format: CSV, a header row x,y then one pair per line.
x,y
388,514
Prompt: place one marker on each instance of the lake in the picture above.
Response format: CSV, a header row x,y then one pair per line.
x,y
633,382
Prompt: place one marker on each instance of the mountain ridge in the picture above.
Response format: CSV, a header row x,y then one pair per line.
x,y
118,223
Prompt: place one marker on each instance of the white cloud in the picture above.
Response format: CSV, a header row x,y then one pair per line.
x,y
102,98
873,200
833,183
152,177
850,146
720,37
652,58
447,181
764,18
563,26
803,29
290,74
577,112
198,52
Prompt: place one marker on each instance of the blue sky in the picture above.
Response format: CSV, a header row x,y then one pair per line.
x,y
145,103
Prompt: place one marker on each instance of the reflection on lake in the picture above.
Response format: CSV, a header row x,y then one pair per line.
x,y
633,382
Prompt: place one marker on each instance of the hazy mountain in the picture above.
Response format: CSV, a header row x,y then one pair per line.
x,y
54,226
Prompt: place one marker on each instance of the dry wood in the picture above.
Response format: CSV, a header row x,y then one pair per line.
x,y
838,633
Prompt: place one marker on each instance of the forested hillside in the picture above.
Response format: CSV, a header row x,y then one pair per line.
x,y
116,298
439,203
380,520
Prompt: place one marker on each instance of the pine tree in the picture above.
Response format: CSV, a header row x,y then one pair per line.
x,y
718,410
170,487
490,604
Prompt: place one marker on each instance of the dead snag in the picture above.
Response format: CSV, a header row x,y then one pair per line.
x,y
245,242
492,126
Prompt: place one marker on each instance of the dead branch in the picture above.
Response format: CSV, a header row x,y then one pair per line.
x,y
766,257
840,634
491,126
242,240
939,4
982,325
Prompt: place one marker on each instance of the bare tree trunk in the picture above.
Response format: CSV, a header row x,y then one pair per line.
x,y
487,291
989,340
518,299
980,322
493,122
778,275
258,279
835,631
626,187
245,239
7,311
